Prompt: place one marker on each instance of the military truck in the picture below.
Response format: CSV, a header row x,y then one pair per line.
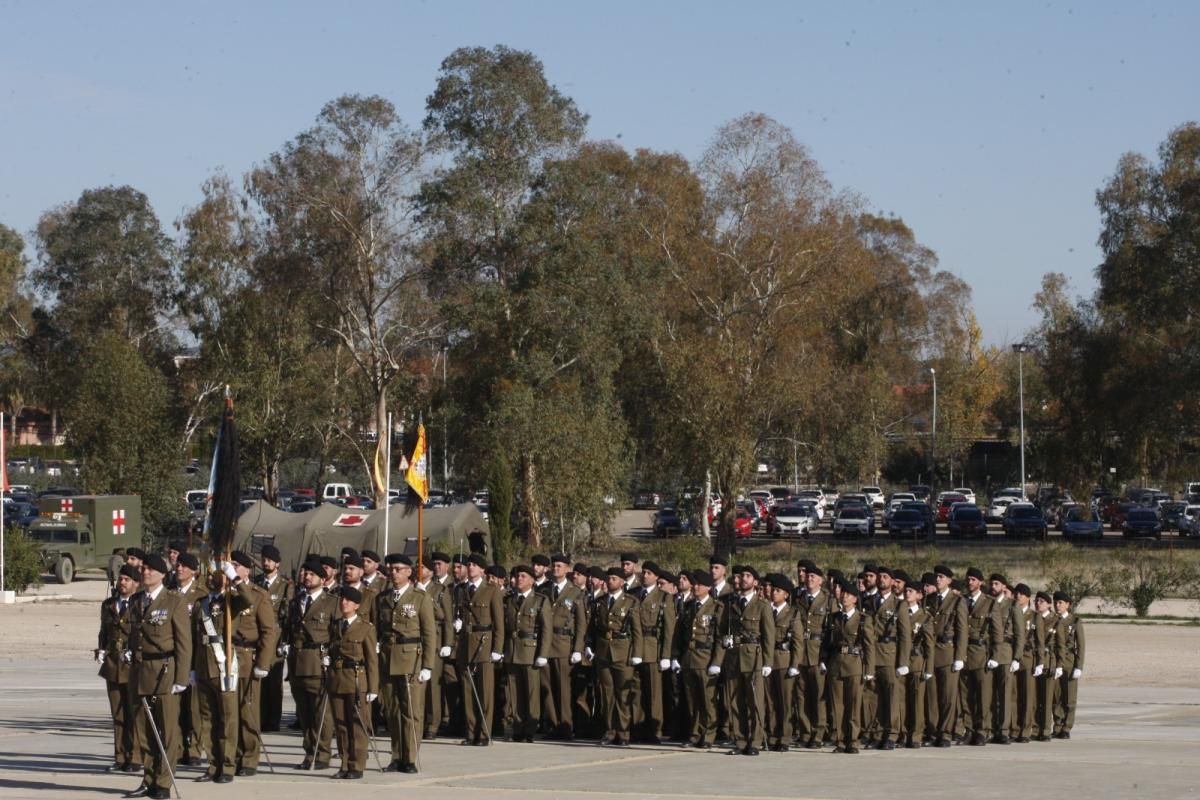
x,y
86,532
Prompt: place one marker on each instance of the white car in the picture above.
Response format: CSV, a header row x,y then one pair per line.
x,y
793,519
855,520
815,497
764,495
967,493
874,496
998,507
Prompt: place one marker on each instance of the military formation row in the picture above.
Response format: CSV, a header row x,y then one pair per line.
x,y
629,654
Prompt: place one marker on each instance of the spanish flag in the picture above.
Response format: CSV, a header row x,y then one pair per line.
x,y
416,474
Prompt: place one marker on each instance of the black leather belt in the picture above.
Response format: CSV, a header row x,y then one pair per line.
x,y
701,645
481,628
783,646
158,656
946,640
564,631
747,639
977,642
850,651
349,663
240,642
653,631
214,639
887,639
1010,640
610,635
312,645
526,635
390,639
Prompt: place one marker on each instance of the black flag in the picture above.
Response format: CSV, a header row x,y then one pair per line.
x,y
224,487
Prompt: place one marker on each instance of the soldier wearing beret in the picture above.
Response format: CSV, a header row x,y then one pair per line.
x,y
372,578
192,720
748,640
718,568
893,646
780,684
280,590
1046,655
656,616
117,614
1068,665
330,570
812,614
526,648
614,636
540,564
352,577
407,638
695,651
353,682
1022,687
568,632
479,625
985,627
441,599
913,677
160,649
1007,657
849,653
633,575
311,616
950,652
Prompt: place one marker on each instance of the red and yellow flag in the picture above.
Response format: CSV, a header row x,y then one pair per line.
x,y
416,474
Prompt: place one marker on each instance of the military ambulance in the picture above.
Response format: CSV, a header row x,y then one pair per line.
x,y
86,532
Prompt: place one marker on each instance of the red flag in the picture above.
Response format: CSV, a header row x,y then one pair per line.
x,y
3,459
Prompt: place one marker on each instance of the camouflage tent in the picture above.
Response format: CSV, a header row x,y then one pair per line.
x,y
328,528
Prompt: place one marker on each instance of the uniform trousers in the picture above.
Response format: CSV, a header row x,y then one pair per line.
x,y
404,707
164,709
779,688
701,691
313,709
478,681
557,682
810,704
744,691
889,705
1023,687
524,698
978,711
946,692
351,713
249,740
615,699
124,705
913,687
221,711
271,702
1066,691
845,700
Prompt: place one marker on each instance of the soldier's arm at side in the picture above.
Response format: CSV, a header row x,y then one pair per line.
x,y
181,634
798,643
1079,643
497,611
370,661
869,637
668,631
545,627
904,638
766,627
1018,629
446,600
268,632
960,630
996,634
429,633
635,627
580,638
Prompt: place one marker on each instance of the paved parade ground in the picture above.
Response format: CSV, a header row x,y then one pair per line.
x,y
1137,735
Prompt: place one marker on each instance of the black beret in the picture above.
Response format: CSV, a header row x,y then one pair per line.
x,y
155,562
349,551
272,552
238,557
808,564
522,568
1021,588
540,560
477,560
496,571
881,570
459,559
668,577
956,585
615,572
836,574
1061,595
177,546
428,563
559,558
329,561
862,576
913,587
351,594
869,567
815,570
650,566
398,558
783,582
354,560
190,561
996,576
975,572
942,569
313,564
371,554
722,560
630,557
438,555
746,568
701,578
135,552
902,576
597,572
130,571
849,588
1044,596
929,579
580,568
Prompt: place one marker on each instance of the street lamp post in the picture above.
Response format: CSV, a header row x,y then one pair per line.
x,y
1020,349
933,429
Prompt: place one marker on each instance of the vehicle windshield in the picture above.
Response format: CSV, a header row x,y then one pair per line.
x,y
1142,516
854,512
971,514
1082,515
792,511
1175,508
1024,512
55,536
907,515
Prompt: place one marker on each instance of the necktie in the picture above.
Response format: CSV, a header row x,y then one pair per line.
x,y
556,591
775,612
971,604
121,605
520,602
304,606
345,625
745,601
146,601
470,590
396,596
611,601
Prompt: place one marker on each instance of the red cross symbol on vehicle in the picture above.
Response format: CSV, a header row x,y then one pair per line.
x,y
67,504
118,521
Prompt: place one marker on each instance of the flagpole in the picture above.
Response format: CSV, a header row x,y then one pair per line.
x,y
387,489
421,512
3,488
230,655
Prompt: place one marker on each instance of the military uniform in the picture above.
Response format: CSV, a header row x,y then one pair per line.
x,y
780,685
442,603
656,614
913,686
281,591
615,635
117,620
893,648
481,611
850,657
1008,649
210,660
749,641
255,635
949,613
408,641
812,611
308,633
984,636
568,629
161,646
1046,634
1022,685
698,647
526,645
353,674
192,722
1069,656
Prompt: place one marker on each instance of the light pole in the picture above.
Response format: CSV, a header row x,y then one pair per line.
x,y
1020,349
795,457
933,431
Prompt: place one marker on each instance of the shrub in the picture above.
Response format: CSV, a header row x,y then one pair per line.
x,y
1066,570
22,561
1137,577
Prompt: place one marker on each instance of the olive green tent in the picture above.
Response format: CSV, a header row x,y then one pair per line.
x,y
328,528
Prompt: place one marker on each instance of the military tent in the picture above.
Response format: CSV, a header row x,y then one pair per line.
x,y
328,528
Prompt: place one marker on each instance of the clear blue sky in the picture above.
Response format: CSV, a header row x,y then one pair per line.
x,y
987,128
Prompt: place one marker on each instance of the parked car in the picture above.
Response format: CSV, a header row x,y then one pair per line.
x,y
849,499
1191,521
1191,492
945,502
668,522
1173,518
1142,522
1080,522
893,505
1025,520
742,527
646,499
855,519
966,519
996,510
792,519
816,497
966,492
301,504
764,495
926,514
921,492
1119,511
874,496
908,523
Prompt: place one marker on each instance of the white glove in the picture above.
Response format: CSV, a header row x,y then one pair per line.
x,y
324,661
992,663
127,657
1057,673
664,664
192,678
822,667
424,676
229,570
793,672
1076,673
371,697
457,625
928,675
870,676
177,689
587,651
283,650
901,671
766,672
1037,671
219,655
99,656
259,674
714,670
1014,666
675,665
496,657
377,648
444,652
636,660
958,665
540,662
576,658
